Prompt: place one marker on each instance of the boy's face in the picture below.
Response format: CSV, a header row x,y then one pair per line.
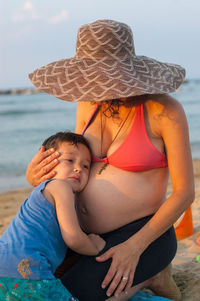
x,y
74,165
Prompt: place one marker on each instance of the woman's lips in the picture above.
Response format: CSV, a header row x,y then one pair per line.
x,y
75,178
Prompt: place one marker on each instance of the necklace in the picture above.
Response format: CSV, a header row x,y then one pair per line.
x,y
120,127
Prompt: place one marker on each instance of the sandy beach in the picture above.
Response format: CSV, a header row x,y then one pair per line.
x,y
186,270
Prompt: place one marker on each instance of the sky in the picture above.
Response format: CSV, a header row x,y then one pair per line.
x,y
37,32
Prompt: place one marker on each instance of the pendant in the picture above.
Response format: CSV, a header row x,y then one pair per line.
x,y
102,168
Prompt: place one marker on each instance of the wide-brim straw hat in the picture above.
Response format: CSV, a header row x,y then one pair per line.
x,y
106,67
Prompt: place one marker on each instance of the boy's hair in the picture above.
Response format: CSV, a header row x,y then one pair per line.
x,y
75,139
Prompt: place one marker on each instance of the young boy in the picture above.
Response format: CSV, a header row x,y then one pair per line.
x,y
35,242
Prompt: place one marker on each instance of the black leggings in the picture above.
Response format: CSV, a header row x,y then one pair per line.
x,y
84,279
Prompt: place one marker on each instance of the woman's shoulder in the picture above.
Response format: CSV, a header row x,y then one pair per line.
x,y
162,112
84,110
162,100
85,106
163,106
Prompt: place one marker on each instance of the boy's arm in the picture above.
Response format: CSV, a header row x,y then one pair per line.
x,y
72,234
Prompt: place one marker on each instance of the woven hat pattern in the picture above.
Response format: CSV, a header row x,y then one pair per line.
x,y
106,67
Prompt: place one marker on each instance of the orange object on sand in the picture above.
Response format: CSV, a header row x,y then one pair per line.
x,y
198,241
184,225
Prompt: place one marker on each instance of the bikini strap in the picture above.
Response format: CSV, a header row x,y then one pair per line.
x,y
92,116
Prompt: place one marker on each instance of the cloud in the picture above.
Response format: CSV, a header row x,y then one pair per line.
x,y
62,17
28,5
27,12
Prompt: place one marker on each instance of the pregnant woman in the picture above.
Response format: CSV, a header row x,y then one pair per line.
x,y
139,136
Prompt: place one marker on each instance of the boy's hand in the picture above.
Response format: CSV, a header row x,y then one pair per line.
x,y
97,241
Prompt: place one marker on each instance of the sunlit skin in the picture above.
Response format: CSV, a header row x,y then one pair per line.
x,y
127,201
117,197
71,176
74,165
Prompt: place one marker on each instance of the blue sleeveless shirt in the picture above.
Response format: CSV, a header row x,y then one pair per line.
x,y
32,246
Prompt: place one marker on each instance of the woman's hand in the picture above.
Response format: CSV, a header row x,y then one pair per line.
x,y
40,167
121,272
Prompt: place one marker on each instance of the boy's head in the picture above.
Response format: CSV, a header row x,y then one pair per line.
x,y
75,158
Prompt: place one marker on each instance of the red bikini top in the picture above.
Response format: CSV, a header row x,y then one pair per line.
x,y
136,153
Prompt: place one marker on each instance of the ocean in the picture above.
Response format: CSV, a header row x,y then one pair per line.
x,y
27,120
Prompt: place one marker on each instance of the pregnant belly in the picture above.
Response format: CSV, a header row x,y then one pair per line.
x,y
116,198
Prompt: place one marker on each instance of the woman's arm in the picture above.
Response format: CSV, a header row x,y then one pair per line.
x,y
41,166
72,234
172,124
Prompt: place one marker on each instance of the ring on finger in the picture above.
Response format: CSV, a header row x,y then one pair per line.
x,y
125,278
